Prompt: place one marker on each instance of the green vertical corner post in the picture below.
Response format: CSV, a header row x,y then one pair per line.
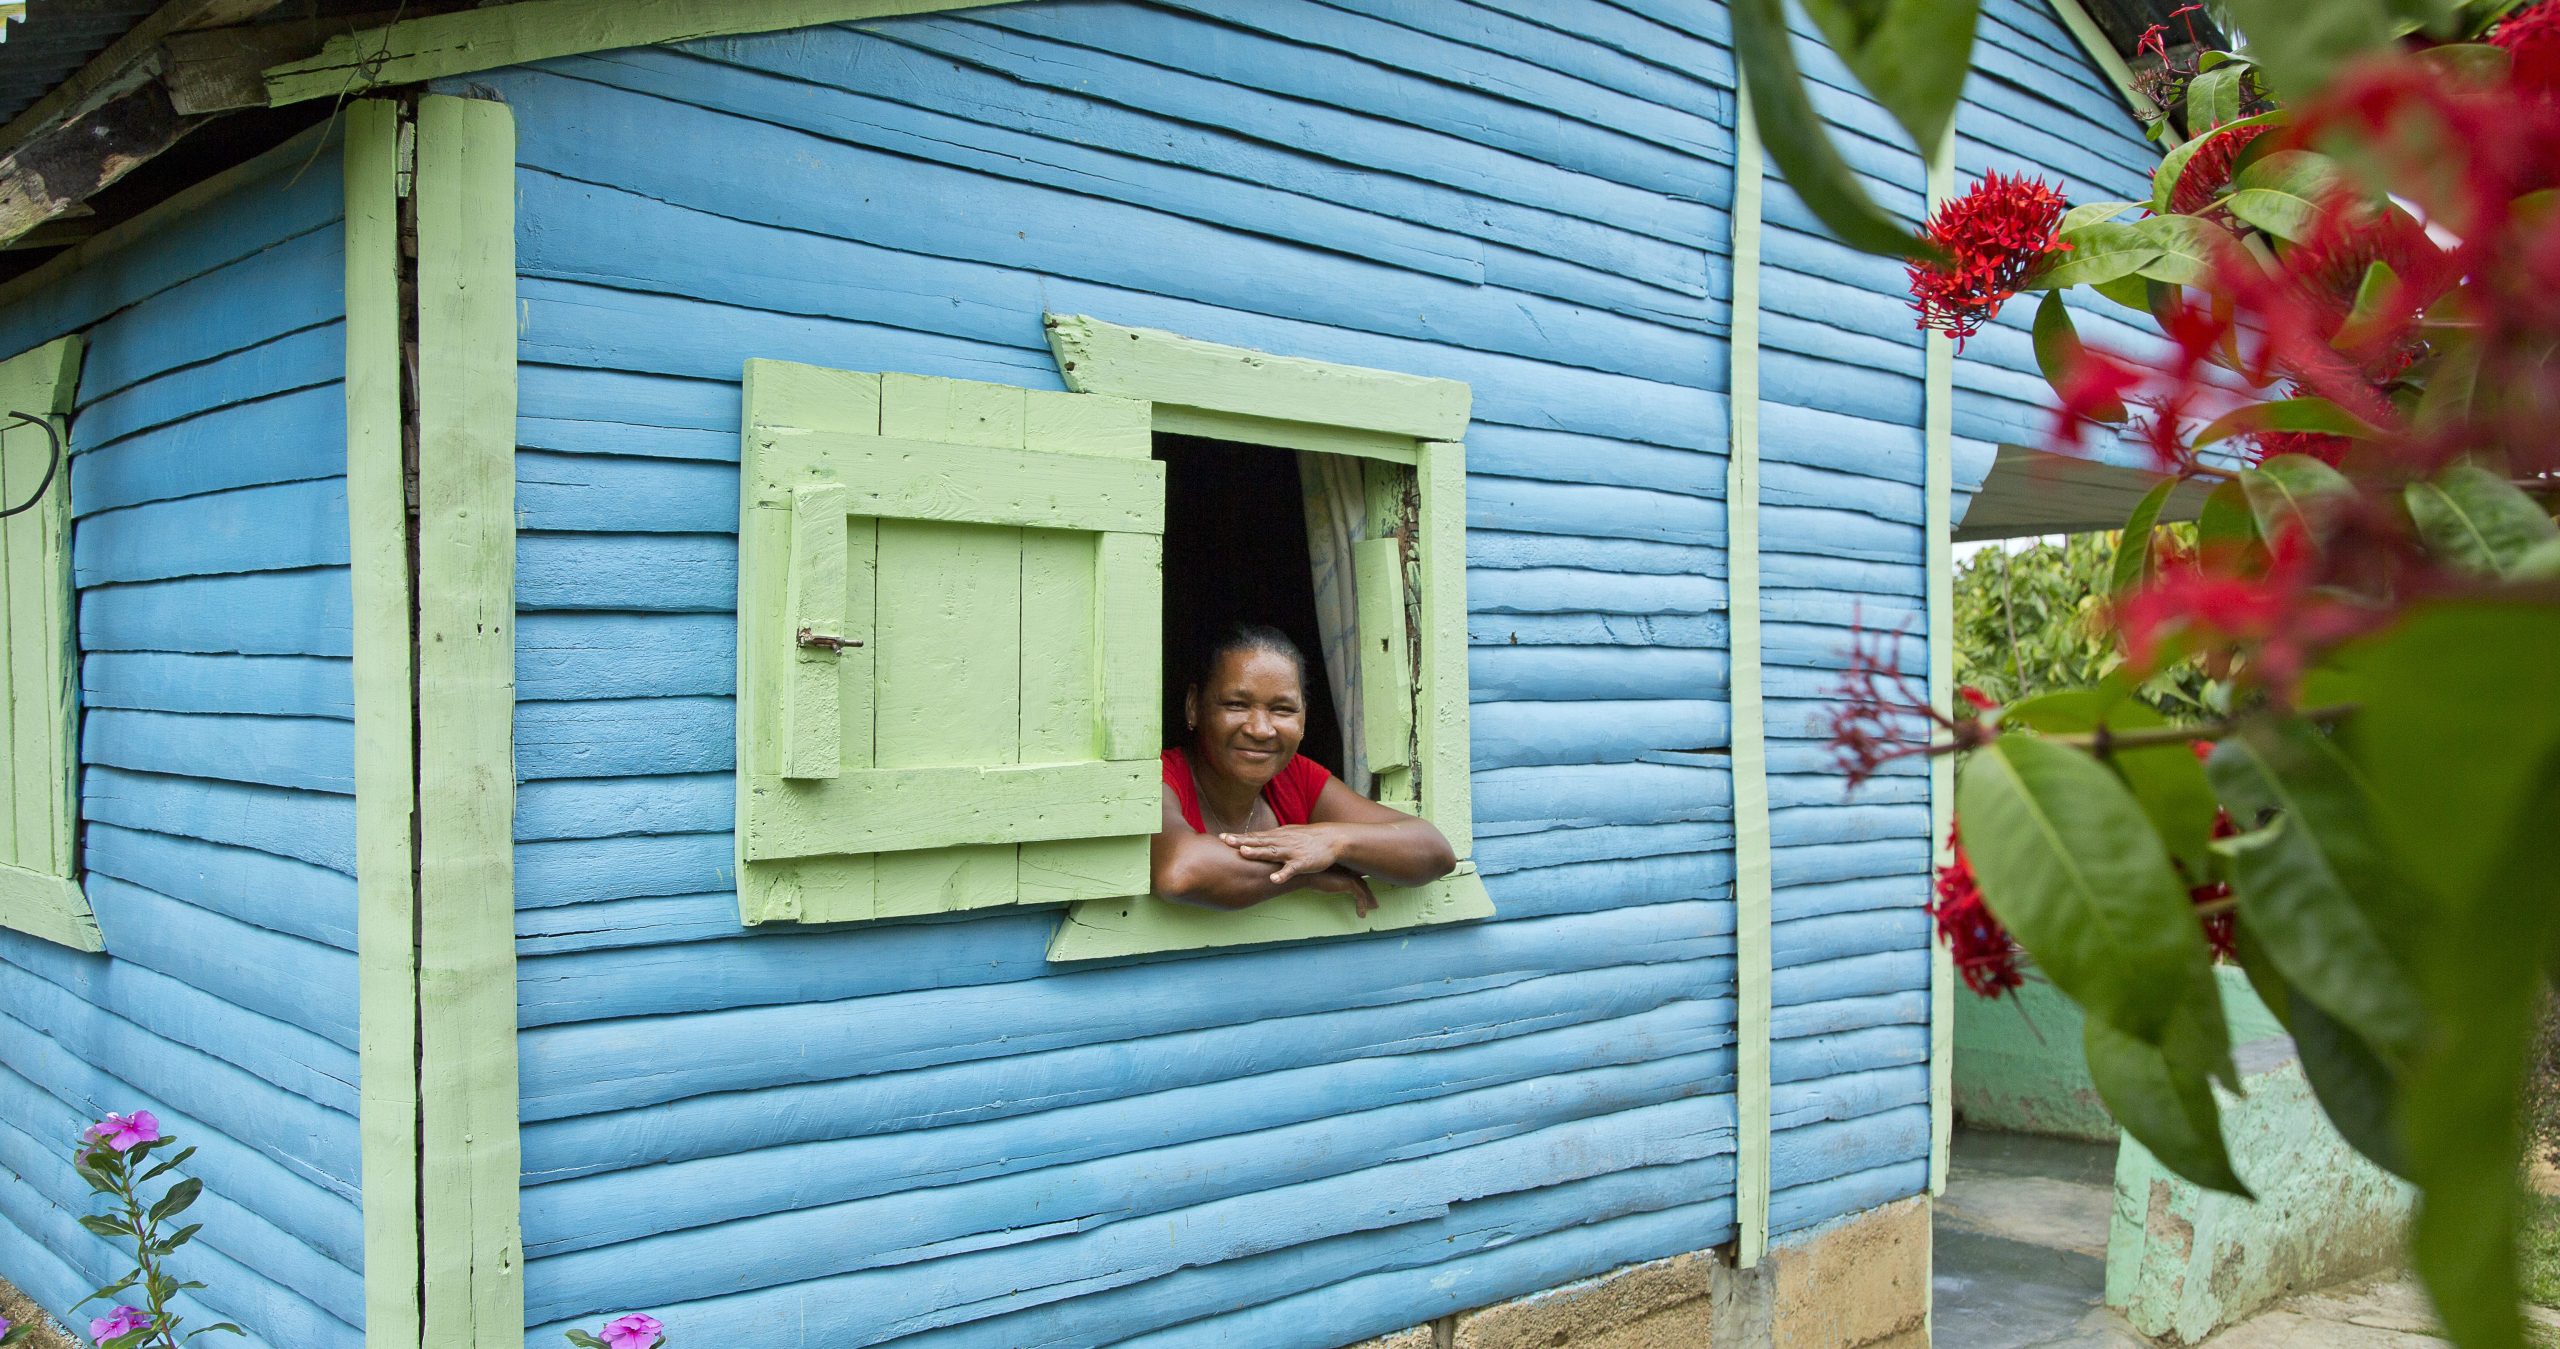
x,y
385,766
464,205
1752,890
1937,481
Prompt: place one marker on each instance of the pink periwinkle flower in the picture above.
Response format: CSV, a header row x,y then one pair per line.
x,y
124,1133
121,1321
636,1331
6,1326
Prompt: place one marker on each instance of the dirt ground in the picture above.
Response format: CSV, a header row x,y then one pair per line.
x,y
23,1312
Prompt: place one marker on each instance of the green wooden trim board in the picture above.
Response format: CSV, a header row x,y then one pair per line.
x,y
1173,371
1415,696
1937,481
466,401
40,890
1752,892
459,43
386,781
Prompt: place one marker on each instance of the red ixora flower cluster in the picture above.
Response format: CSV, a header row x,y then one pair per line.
x,y
2208,170
1984,952
2531,39
1992,236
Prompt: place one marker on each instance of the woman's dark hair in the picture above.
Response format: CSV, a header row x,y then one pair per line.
x,y
1237,637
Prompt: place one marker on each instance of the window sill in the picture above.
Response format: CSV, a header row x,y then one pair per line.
x,y
1143,924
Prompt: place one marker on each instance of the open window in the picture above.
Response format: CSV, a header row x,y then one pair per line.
x,y
952,618
40,890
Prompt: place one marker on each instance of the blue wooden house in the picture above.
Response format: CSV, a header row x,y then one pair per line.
x,y
581,716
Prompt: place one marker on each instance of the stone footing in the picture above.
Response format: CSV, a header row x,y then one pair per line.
x,y
1859,1283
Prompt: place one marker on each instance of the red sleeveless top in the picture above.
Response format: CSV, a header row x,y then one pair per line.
x,y
1292,793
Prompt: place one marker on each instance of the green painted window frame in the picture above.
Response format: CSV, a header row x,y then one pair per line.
x,y
1411,430
40,891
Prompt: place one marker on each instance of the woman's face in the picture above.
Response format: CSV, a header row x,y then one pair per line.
x,y
1250,716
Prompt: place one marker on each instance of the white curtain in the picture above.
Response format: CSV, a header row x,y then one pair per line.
x,y
1337,509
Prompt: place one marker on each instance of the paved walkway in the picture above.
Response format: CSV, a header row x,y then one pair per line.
x,y
2022,1264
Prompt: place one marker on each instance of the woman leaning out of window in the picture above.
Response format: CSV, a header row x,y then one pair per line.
x,y
1246,817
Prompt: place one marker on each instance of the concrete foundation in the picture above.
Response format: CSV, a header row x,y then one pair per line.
x,y
1859,1283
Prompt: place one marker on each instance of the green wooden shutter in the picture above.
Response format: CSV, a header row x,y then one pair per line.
x,y
39,806
948,645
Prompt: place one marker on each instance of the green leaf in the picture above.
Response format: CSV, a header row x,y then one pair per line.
x,y
2213,98
2170,1112
2289,489
2101,252
1793,134
2188,247
2321,893
2133,547
2541,562
1910,55
2460,738
2282,414
2129,290
109,1290
2225,521
181,1237
2282,193
2059,352
217,1328
2166,780
2095,212
2068,860
2456,726
165,1167
2474,61
2478,520
2356,1090
2164,180
177,1199
105,1226
2298,46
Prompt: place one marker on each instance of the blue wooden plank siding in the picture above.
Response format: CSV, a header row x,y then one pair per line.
x,y
209,552
923,1129
1841,546
2035,104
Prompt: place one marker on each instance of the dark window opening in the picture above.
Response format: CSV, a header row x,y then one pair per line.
x,y
1235,549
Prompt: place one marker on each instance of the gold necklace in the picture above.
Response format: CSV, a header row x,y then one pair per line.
x,y
1207,817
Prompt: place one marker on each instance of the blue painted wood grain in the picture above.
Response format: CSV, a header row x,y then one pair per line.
x,y
208,548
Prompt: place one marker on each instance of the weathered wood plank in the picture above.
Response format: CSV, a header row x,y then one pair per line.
x,y
1162,367
385,713
917,479
822,612
1386,660
415,50
466,362
903,809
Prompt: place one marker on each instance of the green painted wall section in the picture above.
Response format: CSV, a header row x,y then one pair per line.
x,y
2183,1262
2019,1067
